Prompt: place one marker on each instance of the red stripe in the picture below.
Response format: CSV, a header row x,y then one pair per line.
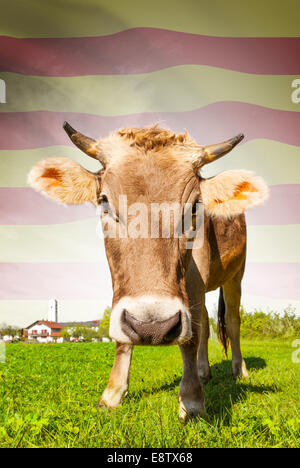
x,y
24,206
281,208
66,281
274,280
143,50
25,130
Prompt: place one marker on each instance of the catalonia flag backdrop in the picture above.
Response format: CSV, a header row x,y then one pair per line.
x,y
214,68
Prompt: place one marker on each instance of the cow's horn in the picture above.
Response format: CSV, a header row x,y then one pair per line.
x,y
86,144
211,153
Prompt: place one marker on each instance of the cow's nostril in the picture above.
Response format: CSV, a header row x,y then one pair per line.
x,y
174,332
127,326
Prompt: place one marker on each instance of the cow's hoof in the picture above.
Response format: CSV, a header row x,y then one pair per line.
x,y
239,370
190,408
104,404
111,398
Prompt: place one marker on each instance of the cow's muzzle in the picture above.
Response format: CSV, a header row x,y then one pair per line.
x,y
150,320
151,332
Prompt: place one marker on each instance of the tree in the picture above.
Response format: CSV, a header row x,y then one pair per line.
x,y
65,334
9,330
103,331
88,334
84,333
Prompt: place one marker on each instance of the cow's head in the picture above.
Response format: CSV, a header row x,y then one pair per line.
x,y
151,167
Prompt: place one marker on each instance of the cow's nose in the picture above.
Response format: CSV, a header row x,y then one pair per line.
x,y
153,332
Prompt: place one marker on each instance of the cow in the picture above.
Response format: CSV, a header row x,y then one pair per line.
x,y
159,282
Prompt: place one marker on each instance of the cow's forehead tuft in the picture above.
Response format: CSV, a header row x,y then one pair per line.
x,y
143,143
154,137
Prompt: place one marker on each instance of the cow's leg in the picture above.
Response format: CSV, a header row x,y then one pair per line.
x,y
191,398
232,298
203,363
118,381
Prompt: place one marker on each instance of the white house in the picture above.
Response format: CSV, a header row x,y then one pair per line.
x,y
44,331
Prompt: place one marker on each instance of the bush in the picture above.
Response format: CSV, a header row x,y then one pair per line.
x,y
271,324
103,331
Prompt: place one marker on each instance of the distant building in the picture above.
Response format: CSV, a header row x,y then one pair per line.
x,y
9,338
44,331
52,310
93,324
50,331
70,327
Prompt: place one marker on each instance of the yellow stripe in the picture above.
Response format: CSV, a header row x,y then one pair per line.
x,y
252,303
69,242
273,243
174,89
23,313
78,242
277,163
74,18
15,165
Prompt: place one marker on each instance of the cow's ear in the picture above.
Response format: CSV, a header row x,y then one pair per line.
x,y
230,193
65,181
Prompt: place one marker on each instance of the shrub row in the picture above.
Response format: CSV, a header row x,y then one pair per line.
x,y
269,325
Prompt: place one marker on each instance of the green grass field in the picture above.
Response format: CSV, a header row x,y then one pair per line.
x,y
49,395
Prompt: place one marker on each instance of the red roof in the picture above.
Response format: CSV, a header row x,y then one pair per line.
x,y
56,335
50,324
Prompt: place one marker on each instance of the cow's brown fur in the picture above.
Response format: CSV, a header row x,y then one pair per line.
x,y
152,165
154,138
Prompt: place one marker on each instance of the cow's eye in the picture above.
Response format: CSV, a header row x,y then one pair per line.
x,y
105,209
103,198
